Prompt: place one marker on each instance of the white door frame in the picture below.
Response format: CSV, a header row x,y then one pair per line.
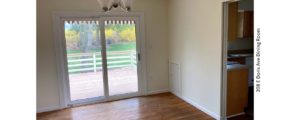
x,y
224,61
61,60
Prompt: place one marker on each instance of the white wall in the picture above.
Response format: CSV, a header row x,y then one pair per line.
x,y
156,13
195,42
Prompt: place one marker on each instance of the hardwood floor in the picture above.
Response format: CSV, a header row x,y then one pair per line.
x,y
163,106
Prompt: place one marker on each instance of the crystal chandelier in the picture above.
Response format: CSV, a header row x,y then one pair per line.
x,y
108,5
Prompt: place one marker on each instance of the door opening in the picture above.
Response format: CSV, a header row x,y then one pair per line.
x,y
238,48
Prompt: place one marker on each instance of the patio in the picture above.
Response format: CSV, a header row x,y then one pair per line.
x,y
90,84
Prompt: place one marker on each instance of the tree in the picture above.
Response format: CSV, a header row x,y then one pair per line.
x,y
117,32
128,34
72,38
86,36
83,36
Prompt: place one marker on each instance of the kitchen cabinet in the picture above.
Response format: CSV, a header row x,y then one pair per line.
x,y
233,21
245,24
240,23
237,91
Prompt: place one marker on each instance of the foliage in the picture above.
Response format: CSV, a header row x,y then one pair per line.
x,y
72,36
123,32
109,33
90,35
128,34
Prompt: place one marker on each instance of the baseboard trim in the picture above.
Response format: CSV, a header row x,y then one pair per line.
x,y
215,116
242,113
53,108
157,92
47,109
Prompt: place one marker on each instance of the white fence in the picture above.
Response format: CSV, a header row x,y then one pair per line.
x,y
87,62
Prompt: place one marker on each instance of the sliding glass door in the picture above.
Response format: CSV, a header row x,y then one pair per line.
x,y
102,56
121,54
84,59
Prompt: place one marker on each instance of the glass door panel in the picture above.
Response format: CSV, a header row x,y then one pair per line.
x,y
121,54
84,59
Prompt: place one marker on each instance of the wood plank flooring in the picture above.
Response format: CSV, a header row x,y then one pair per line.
x,y
163,106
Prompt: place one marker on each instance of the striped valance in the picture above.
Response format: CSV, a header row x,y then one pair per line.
x,y
107,22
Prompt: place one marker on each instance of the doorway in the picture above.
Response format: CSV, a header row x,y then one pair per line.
x,y
101,58
238,49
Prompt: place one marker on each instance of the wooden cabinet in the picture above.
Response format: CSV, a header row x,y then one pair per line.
x,y
233,21
245,24
240,23
237,91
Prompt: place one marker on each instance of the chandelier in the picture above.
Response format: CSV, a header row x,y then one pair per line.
x,y
108,5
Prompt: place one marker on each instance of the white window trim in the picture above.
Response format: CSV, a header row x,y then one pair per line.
x,y
59,47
